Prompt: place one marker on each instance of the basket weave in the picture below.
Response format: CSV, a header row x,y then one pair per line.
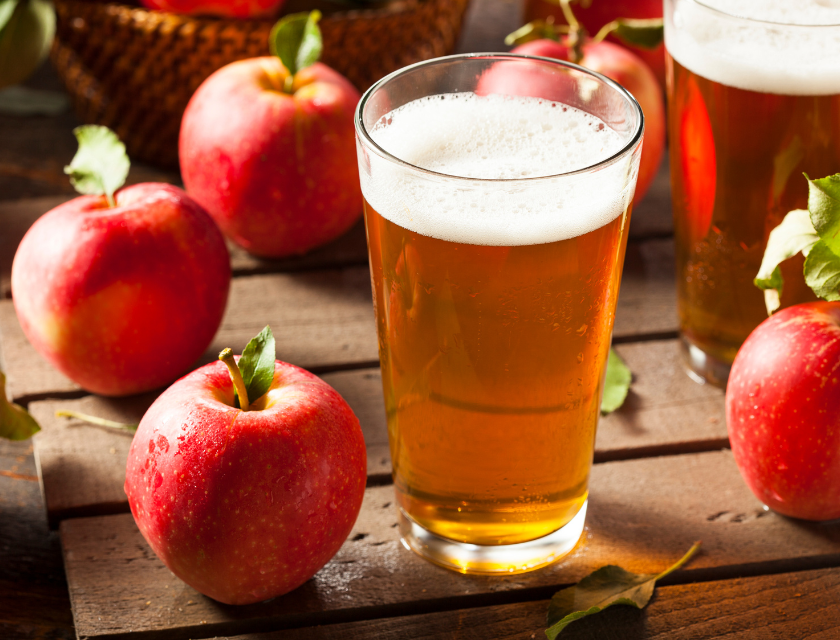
x,y
134,70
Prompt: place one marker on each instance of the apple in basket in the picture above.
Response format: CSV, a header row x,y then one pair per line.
x,y
246,480
222,8
268,146
121,289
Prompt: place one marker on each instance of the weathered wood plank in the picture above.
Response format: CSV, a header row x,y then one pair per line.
x,y
320,320
791,605
324,319
643,515
35,603
82,468
665,411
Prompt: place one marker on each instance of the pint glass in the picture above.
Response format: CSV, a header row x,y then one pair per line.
x,y
497,198
754,101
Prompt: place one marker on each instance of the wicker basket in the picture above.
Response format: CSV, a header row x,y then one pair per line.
x,y
134,70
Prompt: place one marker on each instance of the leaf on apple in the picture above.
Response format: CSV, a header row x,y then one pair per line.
x,y
616,383
796,233
647,33
822,272
824,205
257,364
296,40
603,588
15,421
816,234
101,164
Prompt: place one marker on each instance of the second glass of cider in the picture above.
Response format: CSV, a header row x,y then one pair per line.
x,y
497,196
754,102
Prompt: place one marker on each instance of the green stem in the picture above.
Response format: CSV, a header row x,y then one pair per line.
x,y
577,32
226,356
100,422
606,30
289,84
681,561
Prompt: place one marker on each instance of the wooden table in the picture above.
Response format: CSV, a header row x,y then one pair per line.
x,y
73,563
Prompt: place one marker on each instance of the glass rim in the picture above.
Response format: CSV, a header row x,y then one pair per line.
x,y
759,21
627,148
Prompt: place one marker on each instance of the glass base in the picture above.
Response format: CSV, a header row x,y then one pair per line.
x,y
491,559
703,368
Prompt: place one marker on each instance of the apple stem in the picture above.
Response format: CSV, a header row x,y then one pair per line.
x,y
100,422
289,84
226,356
577,32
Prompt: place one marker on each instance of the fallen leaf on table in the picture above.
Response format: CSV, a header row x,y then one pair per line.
x,y
603,588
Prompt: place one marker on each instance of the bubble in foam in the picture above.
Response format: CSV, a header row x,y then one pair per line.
x,y
501,140
772,46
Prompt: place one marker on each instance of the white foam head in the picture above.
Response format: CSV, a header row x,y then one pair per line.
x,y
772,46
502,144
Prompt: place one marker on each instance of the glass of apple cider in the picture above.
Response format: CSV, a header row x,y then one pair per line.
x,y
754,101
497,197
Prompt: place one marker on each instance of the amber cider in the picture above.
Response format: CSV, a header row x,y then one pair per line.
x,y
494,310
754,102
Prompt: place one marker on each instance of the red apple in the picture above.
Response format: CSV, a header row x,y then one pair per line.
x,y
783,411
276,170
223,8
600,12
246,505
619,64
122,299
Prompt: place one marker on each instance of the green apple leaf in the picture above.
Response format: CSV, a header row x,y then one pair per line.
x,y
296,40
796,233
822,271
644,33
7,8
257,364
824,205
15,421
101,164
603,588
616,383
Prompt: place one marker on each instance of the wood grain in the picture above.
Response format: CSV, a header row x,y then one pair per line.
x,y
82,467
791,605
644,514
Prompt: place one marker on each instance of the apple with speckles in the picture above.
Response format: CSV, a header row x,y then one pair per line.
x,y
268,147
122,297
783,411
246,505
